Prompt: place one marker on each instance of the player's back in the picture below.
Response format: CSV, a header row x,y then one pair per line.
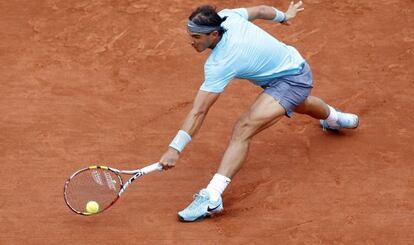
x,y
252,52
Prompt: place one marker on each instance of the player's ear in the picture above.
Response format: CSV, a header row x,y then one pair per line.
x,y
215,33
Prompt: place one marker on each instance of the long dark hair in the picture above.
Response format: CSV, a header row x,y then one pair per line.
x,y
206,15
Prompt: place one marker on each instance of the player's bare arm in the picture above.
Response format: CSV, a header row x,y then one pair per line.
x,y
192,123
201,105
268,13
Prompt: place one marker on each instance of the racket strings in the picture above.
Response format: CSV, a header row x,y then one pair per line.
x,y
99,185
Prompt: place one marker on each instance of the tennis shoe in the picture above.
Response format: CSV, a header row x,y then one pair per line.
x,y
201,207
345,120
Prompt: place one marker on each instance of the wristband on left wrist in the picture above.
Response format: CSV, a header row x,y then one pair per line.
x,y
280,17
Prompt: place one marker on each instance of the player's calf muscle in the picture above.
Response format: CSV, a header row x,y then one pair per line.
x,y
313,106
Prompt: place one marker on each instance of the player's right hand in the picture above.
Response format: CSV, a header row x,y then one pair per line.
x,y
169,158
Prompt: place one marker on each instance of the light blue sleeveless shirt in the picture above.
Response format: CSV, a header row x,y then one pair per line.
x,y
246,51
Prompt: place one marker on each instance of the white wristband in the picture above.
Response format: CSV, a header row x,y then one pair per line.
x,y
279,16
180,141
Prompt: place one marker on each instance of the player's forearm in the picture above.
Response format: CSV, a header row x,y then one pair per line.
x,y
193,122
202,103
266,13
271,13
190,127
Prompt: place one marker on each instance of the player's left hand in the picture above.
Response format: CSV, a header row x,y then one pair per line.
x,y
293,9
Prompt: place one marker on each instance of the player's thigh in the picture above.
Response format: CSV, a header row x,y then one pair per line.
x,y
264,112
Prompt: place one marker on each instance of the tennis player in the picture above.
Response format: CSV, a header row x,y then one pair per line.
x,y
240,49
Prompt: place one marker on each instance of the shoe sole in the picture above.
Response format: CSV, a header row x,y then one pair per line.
x,y
188,221
207,215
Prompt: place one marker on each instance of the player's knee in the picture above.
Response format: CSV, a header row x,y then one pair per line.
x,y
242,130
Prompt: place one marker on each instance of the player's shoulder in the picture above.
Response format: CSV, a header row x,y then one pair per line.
x,y
218,61
236,13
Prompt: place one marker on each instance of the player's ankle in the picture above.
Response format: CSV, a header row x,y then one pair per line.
x,y
217,186
332,119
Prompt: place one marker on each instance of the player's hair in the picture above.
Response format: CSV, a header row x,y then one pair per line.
x,y
206,15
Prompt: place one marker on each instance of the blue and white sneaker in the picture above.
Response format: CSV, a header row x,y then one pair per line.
x,y
345,120
201,207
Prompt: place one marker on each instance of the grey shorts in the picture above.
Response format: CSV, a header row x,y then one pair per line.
x,y
291,90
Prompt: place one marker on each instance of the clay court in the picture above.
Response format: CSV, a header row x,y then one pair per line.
x,y
110,82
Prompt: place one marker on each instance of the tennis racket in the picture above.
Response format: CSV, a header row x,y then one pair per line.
x,y
100,186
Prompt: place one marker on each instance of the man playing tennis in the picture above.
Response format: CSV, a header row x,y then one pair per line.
x,y
242,50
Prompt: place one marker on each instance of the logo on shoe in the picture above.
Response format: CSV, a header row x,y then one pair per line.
x,y
212,209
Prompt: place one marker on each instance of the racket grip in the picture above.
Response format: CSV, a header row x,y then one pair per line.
x,y
152,168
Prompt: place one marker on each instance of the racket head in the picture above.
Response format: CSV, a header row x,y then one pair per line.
x,y
100,184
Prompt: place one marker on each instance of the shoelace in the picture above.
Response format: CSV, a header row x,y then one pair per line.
x,y
325,125
198,199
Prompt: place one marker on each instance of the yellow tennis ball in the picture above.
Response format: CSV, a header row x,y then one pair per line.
x,y
92,207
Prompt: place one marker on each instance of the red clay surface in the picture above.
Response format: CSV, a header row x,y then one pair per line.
x,y
110,82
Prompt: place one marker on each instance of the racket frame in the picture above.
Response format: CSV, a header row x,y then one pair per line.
x,y
123,185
